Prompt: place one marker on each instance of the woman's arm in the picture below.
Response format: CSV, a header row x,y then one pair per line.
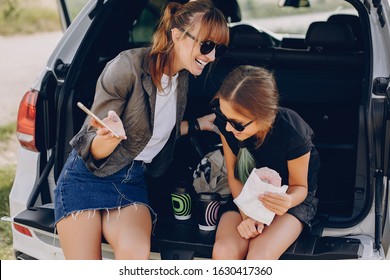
x,y
205,123
113,88
298,171
105,143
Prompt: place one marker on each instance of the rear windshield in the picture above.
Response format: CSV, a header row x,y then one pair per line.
x,y
268,15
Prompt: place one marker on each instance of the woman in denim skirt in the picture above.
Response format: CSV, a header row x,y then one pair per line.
x,y
141,96
257,133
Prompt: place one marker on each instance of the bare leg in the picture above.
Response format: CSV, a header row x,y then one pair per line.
x,y
80,236
275,239
229,244
128,231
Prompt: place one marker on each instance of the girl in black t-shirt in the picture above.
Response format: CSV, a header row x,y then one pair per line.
x,y
256,133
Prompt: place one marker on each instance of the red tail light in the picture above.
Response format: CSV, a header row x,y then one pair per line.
x,y
26,124
23,230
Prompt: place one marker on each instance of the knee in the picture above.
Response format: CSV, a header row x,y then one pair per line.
x,y
228,251
132,251
262,254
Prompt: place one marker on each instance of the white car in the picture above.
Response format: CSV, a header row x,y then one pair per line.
x,y
331,60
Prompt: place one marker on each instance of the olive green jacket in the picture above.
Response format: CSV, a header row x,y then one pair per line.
x,y
125,86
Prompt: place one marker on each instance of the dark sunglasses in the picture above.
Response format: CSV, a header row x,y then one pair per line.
x,y
207,47
237,126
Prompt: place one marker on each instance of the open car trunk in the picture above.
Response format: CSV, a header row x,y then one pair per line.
x,y
329,88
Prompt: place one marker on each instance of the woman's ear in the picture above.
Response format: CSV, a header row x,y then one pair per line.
x,y
176,35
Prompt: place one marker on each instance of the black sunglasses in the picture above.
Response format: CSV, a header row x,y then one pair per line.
x,y
237,126
207,47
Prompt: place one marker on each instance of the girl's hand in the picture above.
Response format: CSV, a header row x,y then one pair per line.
x,y
250,228
114,122
279,203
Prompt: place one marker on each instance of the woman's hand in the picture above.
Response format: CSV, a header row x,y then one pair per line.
x,y
279,203
250,228
207,122
114,122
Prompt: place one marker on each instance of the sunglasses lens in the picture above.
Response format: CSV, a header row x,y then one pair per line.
x,y
237,126
215,108
207,47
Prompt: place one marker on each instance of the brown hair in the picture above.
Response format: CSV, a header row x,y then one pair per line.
x,y
184,16
250,89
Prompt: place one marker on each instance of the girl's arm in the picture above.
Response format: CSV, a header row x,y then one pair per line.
x,y
248,228
298,171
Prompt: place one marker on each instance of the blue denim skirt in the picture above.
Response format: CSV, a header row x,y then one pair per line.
x,y
79,190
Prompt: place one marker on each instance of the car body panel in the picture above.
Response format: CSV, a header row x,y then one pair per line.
x,y
44,244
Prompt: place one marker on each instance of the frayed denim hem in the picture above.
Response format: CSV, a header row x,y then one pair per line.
x,y
74,214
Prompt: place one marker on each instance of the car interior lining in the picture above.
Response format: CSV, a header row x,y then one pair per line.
x,y
323,83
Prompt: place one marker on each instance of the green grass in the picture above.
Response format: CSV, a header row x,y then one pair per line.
x,y
18,19
7,174
7,131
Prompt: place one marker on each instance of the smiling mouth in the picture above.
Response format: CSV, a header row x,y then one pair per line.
x,y
201,62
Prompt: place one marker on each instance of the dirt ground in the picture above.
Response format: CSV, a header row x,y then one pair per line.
x,y
21,59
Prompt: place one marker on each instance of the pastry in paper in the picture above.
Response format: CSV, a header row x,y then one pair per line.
x,y
248,199
269,176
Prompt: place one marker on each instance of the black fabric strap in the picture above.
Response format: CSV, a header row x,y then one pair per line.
x,y
193,126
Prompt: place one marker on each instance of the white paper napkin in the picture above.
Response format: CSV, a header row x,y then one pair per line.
x,y
249,203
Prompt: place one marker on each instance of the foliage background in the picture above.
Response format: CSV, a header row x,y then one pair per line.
x,y
28,16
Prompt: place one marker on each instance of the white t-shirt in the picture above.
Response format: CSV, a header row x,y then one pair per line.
x,y
164,119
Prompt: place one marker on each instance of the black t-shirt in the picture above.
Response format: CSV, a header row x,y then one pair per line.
x,y
289,138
